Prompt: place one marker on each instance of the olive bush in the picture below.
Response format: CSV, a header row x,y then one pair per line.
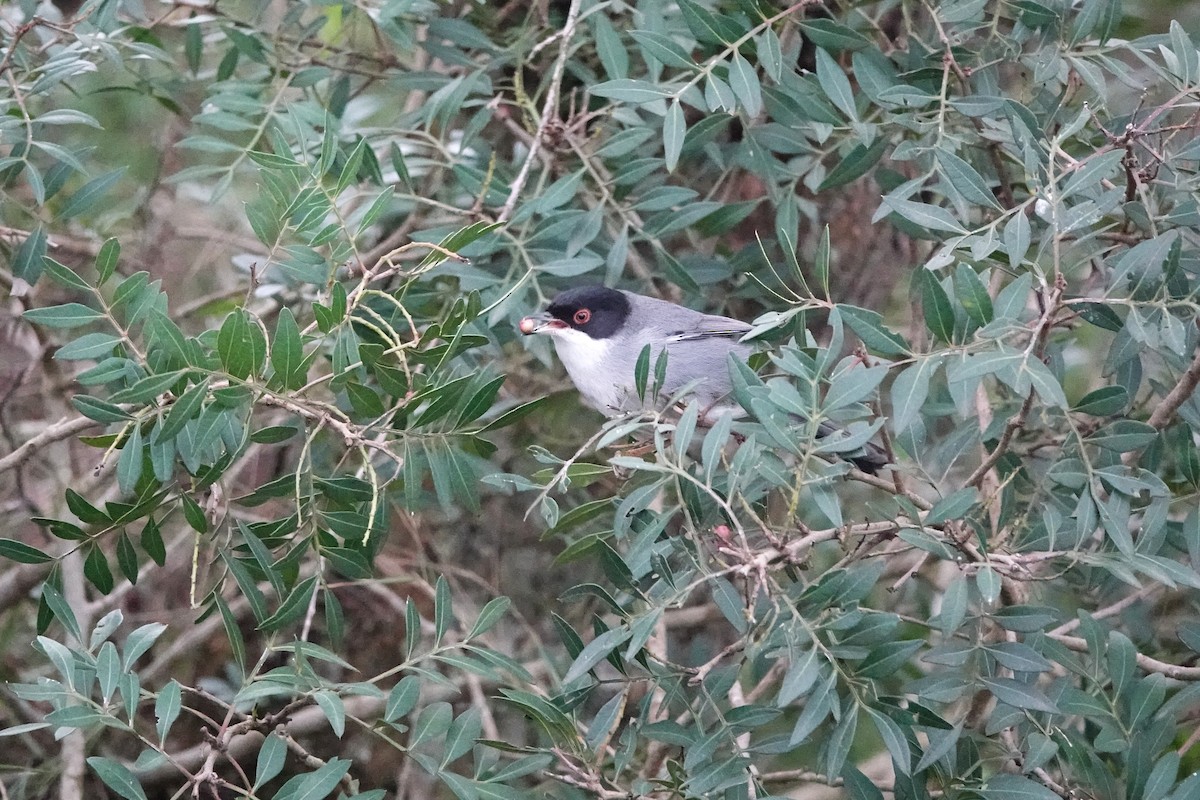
x,y
291,512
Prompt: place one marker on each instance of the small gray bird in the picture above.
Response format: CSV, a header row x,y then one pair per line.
x,y
600,332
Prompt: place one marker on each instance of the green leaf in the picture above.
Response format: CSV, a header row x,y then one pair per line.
x,y
800,677
1012,300
152,542
894,739
349,173
1016,237
412,628
674,131
923,214
1103,402
988,583
664,48
271,757
453,243
965,179
117,777
67,315
61,610
139,641
480,402
90,193
832,35
461,735
30,257
287,352
402,698
609,48
1016,787
241,345
334,710
1018,657
630,91
148,388
106,260
443,608
869,327
910,391
182,411
63,275
972,295
315,785
641,372
855,164
129,464
127,558
1019,695
22,553
935,303
1123,436
233,633
90,345
292,608
167,708
952,506
491,613
108,670
859,786
195,515
835,84
744,82
596,651
95,569
433,722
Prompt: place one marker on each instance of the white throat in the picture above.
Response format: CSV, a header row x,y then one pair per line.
x,y
586,360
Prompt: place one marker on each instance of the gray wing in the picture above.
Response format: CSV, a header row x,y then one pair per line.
x,y
698,347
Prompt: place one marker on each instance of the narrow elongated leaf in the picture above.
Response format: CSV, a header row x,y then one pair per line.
x,y
107,258
241,345
287,353
972,295
966,179
923,214
935,303
1019,695
90,345
744,82
630,91
22,553
596,651
167,708
67,315
271,756
674,130
90,194
117,777
835,84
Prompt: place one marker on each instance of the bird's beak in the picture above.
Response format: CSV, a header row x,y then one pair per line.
x,y
540,323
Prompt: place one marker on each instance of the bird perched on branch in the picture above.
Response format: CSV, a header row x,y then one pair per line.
x,y
599,333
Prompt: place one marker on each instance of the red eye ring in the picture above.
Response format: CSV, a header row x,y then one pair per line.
x,y
582,316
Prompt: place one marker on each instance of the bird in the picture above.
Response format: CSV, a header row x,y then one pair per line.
x,y
599,333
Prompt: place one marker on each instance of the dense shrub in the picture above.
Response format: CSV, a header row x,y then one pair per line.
x,y
290,511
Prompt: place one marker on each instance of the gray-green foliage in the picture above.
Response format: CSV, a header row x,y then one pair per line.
x,y
388,187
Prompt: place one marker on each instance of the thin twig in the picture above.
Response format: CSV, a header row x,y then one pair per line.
x,y
1147,663
62,429
549,112
1177,396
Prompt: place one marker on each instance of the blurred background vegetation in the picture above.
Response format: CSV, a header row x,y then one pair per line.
x,y
291,510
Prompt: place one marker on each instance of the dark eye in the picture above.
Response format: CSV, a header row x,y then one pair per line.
x,y
582,316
